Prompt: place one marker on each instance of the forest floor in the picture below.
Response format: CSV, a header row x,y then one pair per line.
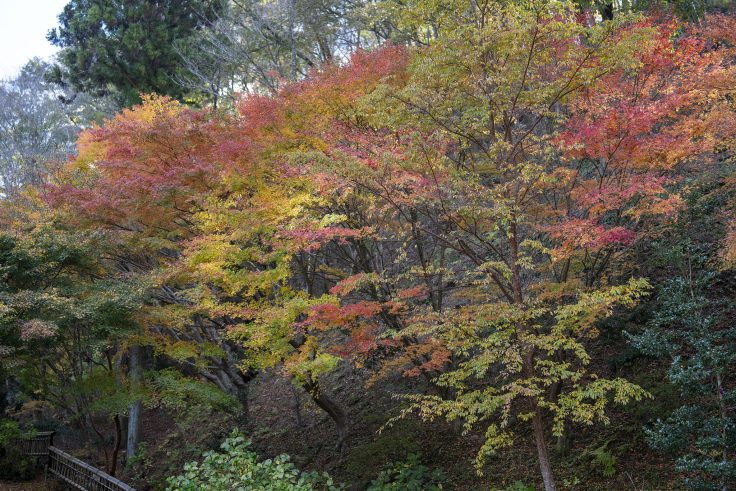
x,y
603,457
38,484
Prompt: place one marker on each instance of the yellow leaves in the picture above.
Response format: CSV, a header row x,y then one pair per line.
x,y
586,403
151,108
193,352
517,352
267,337
27,212
495,439
331,219
579,318
728,248
238,239
89,151
307,362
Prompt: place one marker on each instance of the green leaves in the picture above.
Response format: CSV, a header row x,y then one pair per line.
x,y
127,48
686,328
409,475
183,395
49,277
65,320
237,467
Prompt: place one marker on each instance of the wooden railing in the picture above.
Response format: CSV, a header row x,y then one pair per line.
x,y
77,474
81,475
37,445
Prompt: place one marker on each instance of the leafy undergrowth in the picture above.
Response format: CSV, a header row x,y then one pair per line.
x,y
168,444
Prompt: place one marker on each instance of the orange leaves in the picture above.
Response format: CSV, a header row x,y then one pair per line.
x,y
330,315
414,292
576,234
652,118
147,165
358,319
634,118
409,190
361,342
634,195
312,238
305,114
352,283
719,31
638,127
332,90
427,358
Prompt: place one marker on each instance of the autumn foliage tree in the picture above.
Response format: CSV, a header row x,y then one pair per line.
x,y
195,213
505,173
463,214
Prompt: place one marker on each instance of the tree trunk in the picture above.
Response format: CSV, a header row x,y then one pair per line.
x,y
333,410
134,412
564,441
297,406
116,449
528,369
134,428
242,396
292,40
544,464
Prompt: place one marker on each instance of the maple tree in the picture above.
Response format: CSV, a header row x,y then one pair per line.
x,y
514,165
145,222
196,221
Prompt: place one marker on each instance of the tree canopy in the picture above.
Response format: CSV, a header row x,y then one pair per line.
x,y
509,224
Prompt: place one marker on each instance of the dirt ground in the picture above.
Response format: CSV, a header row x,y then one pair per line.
x,y
37,484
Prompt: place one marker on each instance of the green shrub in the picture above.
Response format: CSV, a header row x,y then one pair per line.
x,y
519,486
392,444
410,475
604,461
237,467
13,464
